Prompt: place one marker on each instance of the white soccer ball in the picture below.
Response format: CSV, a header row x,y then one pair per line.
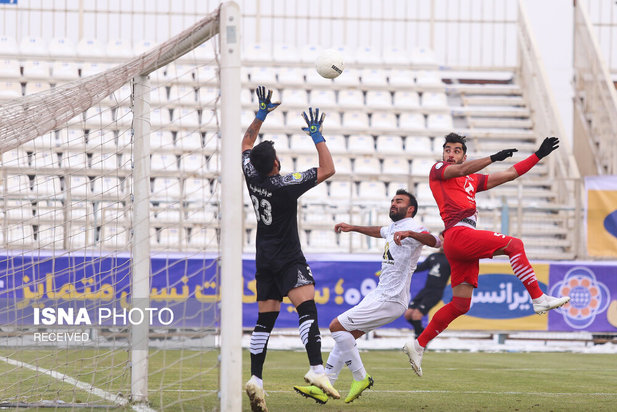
x,y
329,64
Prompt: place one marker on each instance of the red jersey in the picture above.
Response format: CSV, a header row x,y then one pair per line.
x,y
455,197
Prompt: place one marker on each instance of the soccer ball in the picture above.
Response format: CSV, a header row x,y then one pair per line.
x,y
329,64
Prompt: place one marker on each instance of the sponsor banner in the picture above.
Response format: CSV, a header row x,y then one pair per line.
x,y
500,302
601,216
593,292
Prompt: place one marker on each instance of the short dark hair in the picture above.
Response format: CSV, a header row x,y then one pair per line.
x,y
263,156
456,138
412,200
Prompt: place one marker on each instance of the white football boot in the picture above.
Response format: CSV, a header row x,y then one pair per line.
x,y
545,303
257,395
414,351
322,381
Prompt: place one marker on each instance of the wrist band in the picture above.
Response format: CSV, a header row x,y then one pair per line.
x,y
524,166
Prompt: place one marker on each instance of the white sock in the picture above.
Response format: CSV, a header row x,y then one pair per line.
x,y
334,364
258,381
318,369
350,354
417,345
541,299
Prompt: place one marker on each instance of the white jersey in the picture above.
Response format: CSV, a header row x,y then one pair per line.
x,y
399,262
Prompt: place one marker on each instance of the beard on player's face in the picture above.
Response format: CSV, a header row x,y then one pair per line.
x,y
398,213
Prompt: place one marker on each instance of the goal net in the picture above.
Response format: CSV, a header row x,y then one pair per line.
x,y
111,219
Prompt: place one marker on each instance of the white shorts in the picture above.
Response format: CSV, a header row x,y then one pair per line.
x,y
370,314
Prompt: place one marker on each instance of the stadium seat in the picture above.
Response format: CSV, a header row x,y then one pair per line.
x,y
336,143
119,49
36,69
160,117
294,97
309,53
202,237
306,162
351,98
186,117
49,236
374,77
372,191
389,144
142,46
246,118
362,144
98,138
341,189
406,100
207,75
33,46
323,241
15,158
10,89
281,142
411,121
209,95
276,119
395,185
314,79
439,122
8,45
10,69
263,76
342,165
114,237
383,120
123,95
36,86
203,52
379,99
318,193
396,166
434,100
418,145
164,187
196,188
258,53
80,186
246,97
188,140
158,96
401,77
428,78
18,184
212,142
367,165
104,161
182,94
423,193
422,56
355,120
44,159
108,186
285,53
124,116
295,122
64,70
421,167
366,54
91,68
214,162
300,143
192,162
397,56
322,98
290,76
179,72
161,139
61,47
98,117
164,161
74,160
90,47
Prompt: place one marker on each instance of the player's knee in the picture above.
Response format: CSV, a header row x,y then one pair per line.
x,y
461,305
514,246
409,314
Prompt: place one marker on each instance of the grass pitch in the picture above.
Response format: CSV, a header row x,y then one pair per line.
x,y
463,381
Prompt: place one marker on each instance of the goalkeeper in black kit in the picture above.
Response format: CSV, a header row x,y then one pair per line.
x,y
281,267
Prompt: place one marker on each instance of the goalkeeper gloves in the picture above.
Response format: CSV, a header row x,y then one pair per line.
x,y
502,155
265,105
315,125
548,145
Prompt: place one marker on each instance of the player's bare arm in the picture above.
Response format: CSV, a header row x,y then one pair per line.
x,y
265,107
495,179
314,128
425,238
373,231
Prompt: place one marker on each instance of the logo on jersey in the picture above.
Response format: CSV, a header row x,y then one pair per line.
x,y
589,297
293,178
438,165
468,186
435,270
387,256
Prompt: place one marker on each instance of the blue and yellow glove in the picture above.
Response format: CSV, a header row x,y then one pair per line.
x,y
265,105
315,125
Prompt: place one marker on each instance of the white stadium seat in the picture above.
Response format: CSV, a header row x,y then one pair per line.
x,y
100,138
396,165
294,97
322,98
175,72
367,165
15,158
161,139
350,77
411,121
428,78
355,120
423,55
302,143
281,142
393,186
10,89
163,161
439,121
305,162
90,68
196,188
104,161
192,162
389,144
378,99
317,193
290,76
36,86
44,159
363,144
208,95
286,53
314,79
401,77
406,100
374,77
188,140
8,45
166,186
375,191
351,98
257,52
10,69
142,46
182,94
421,167
37,69
423,193
418,144
342,165
80,186
336,143
33,46
396,55
74,160
98,116
295,122
186,117
89,47
119,49
383,120
64,70
309,53
367,54
263,76
434,100
61,47
341,190
160,117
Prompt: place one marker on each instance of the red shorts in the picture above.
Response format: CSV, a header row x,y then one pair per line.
x,y
464,247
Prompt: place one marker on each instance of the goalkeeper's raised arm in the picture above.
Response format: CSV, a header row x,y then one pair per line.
x,y
265,107
314,128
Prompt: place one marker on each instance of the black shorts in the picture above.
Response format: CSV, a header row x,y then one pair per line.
x,y
276,285
425,300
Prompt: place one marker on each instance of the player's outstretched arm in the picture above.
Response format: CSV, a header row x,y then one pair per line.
x,y
473,166
373,231
314,127
495,179
425,238
265,107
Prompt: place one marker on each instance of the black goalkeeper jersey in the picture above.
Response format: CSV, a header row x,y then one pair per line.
x,y
438,271
275,200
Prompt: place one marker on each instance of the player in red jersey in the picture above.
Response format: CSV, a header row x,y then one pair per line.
x,y
454,183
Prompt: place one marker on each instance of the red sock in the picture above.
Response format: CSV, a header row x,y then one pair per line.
x,y
443,317
522,268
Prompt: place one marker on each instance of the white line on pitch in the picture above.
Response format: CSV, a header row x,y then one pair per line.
x,y
79,384
488,392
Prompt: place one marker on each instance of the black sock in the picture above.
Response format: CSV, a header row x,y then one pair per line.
x,y
309,331
417,326
259,341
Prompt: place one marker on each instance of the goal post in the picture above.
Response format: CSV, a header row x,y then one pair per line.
x,y
123,188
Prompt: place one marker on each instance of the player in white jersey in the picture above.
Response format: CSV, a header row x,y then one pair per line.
x,y
386,303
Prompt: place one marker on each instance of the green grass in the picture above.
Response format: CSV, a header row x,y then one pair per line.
x,y
463,381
